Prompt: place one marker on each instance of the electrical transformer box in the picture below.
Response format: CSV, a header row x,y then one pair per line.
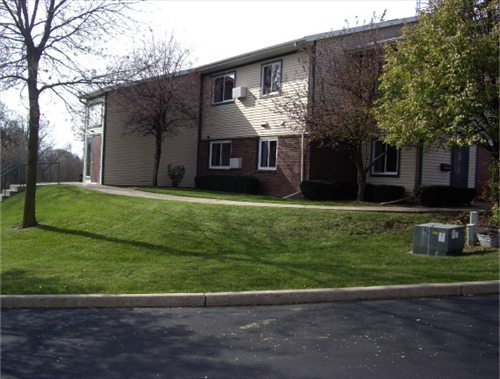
x,y
438,239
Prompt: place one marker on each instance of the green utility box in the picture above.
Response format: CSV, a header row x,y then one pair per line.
x,y
438,239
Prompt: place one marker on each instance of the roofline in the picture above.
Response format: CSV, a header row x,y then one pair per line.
x,y
293,45
102,91
356,29
272,51
256,55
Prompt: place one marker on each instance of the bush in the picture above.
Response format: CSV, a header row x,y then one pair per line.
x,y
369,192
176,174
316,189
325,190
443,196
383,193
240,184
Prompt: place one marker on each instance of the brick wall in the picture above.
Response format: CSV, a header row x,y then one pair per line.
x,y
328,164
282,182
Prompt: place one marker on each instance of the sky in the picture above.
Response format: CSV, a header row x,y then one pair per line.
x,y
216,30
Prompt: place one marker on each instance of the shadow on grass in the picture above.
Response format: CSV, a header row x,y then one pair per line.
x,y
16,282
293,269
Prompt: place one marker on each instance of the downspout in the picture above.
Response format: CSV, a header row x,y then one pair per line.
x,y
200,114
103,144
311,89
302,157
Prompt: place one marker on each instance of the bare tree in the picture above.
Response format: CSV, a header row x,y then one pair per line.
x,y
14,136
45,45
69,169
338,110
164,97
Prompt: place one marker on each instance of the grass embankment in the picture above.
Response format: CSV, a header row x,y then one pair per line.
x,y
91,242
232,196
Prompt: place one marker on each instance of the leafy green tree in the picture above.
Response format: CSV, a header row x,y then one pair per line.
x,y
441,80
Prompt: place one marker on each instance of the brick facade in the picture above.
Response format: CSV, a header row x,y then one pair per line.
x,y
328,164
282,182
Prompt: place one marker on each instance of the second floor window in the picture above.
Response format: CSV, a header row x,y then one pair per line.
x,y
95,116
222,88
271,78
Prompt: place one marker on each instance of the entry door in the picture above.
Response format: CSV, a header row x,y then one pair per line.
x,y
459,167
96,159
93,158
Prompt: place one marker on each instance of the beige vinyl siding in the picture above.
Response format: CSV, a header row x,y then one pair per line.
x,y
431,168
472,167
244,117
407,167
129,159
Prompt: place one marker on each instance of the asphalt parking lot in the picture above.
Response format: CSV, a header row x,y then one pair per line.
x,y
455,337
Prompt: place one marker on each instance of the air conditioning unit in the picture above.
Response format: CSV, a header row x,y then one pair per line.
x,y
235,162
239,92
438,239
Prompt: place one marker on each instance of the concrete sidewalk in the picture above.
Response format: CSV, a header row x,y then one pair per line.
x,y
394,209
252,298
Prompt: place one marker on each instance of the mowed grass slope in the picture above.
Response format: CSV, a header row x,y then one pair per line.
x,y
91,242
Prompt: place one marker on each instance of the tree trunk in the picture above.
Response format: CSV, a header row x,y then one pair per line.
x,y
356,156
156,167
361,183
29,215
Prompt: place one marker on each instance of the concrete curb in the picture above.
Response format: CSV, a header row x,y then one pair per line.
x,y
252,298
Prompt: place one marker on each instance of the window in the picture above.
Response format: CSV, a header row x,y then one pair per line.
x,y
95,116
387,164
222,88
220,154
271,78
268,153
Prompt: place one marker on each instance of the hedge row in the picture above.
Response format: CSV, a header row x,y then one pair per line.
x,y
240,184
443,196
338,190
324,190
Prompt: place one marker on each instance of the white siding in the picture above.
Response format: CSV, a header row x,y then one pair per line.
x,y
431,168
128,159
472,167
244,117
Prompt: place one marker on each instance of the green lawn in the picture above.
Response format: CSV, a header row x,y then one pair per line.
x,y
205,194
91,242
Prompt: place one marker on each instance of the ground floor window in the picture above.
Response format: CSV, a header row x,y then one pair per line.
x,y
268,153
220,154
388,159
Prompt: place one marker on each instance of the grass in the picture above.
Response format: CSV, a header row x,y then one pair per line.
x,y
197,193
91,242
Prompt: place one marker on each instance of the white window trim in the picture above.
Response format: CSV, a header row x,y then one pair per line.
x,y
230,100
210,155
262,139
385,173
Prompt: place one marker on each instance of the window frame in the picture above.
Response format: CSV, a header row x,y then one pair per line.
x,y
223,75
259,162
262,70
91,116
385,173
219,142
